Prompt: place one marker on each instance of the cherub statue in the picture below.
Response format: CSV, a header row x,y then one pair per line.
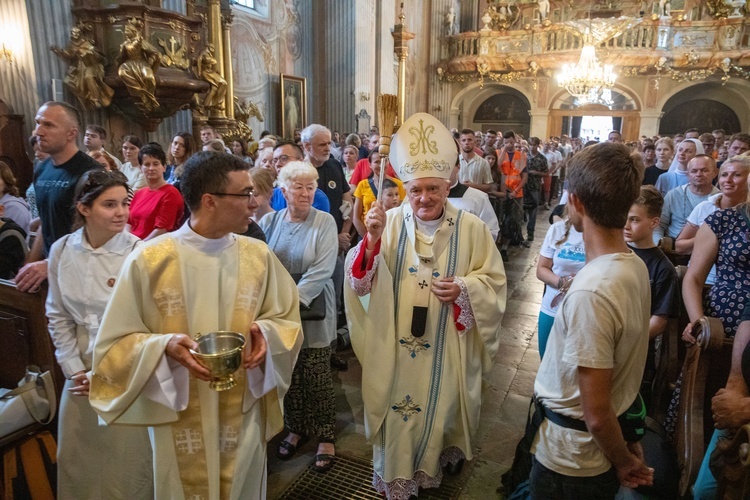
x,y
138,61
85,76
207,72
450,20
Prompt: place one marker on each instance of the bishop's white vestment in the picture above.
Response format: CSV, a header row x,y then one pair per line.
x,y
422,394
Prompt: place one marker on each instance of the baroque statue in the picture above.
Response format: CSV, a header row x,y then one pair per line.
x,y
207,72
450,21
85,76
138,61
243,111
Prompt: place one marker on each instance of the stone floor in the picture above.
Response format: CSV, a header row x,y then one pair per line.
x,y
506,401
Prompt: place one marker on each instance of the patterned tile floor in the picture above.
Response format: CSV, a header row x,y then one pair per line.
x,y
505,403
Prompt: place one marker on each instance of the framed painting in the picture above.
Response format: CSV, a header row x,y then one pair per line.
x,y
293,105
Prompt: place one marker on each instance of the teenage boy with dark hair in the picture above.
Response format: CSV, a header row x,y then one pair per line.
x,y
592,369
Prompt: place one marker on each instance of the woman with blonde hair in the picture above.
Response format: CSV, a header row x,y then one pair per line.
x,y
263,180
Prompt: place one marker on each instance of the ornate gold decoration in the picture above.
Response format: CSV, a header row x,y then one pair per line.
x,y
137,62
206,71
422,140
663,68
502,17
718,8
85,77
480,75
174,53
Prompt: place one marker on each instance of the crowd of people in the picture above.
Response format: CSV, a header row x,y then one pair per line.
x,y
296,242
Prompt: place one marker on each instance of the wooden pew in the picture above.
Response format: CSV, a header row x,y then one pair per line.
x,y
705,371
734,481
25,341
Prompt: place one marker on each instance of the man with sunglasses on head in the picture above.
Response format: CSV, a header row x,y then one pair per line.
x,y
204,277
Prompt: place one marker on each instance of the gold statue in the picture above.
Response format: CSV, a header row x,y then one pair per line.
x,y
138,62
85,76
207,72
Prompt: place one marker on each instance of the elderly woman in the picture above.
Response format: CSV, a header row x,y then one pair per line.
x,y
93,461
305,240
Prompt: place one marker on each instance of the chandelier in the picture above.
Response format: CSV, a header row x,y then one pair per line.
x,y
588,80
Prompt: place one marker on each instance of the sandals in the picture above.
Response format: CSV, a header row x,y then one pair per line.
x,y
290,448
327,458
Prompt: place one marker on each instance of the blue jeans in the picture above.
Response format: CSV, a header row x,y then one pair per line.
x,y
545,327
546,485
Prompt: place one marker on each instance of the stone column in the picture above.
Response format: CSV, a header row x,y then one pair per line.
x,y
650,122
538,125
227,56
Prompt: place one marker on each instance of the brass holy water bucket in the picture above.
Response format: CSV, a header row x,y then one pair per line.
x,y
221,353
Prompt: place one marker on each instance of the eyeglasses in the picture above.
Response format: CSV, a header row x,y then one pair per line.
x,y
248,194
282,158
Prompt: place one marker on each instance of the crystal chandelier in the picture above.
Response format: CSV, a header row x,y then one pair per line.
x,y
587,80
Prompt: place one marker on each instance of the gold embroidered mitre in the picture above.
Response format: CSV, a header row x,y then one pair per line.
x,y
423,147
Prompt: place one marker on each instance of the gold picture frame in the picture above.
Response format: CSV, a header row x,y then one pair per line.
x,y
293,106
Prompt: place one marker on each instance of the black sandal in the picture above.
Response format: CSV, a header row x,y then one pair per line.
x,y
290,448
323,457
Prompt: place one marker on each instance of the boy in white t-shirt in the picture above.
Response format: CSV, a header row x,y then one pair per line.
x,y
592,369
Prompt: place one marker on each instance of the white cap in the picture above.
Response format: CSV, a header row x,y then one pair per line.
x,y
423,147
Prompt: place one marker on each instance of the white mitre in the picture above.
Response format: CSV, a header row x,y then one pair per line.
x,y
423,147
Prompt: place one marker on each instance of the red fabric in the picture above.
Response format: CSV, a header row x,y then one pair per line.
x,y
358,268
456,313
161,208
362,171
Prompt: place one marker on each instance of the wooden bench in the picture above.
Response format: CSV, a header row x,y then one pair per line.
x,y
25,341
734,481
705,371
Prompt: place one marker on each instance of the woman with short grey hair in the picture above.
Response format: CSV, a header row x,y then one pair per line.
x,y
306,242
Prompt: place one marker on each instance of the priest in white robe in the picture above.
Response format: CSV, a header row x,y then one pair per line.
x,y
199,279
425,296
